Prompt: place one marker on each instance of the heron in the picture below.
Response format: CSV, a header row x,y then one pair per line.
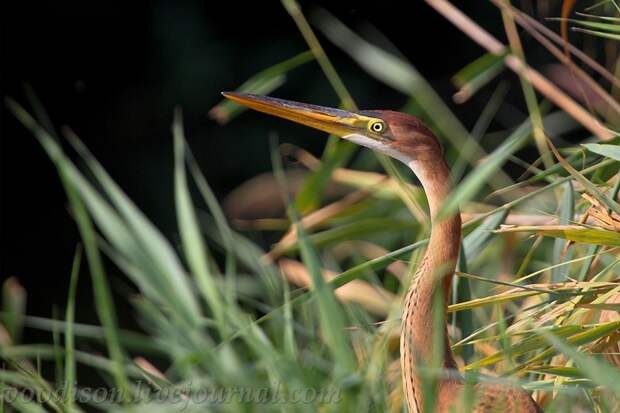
x,y
406,139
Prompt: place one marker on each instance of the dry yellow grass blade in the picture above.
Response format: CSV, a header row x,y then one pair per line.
x,y
609,345
515,218
261,196
531,290
5,337
313,220
577,233
605,218
148,367
373,298
585,85
380,185
544,86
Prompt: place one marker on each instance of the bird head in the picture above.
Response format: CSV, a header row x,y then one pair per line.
x,y
395,134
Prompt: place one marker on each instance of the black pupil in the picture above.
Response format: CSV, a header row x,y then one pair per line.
x,y
377,126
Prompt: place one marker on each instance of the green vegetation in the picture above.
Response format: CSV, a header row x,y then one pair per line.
x,y
536,297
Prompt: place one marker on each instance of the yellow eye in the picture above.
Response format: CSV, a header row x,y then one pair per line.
x,y
377,127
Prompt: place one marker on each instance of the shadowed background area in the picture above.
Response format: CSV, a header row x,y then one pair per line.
x,y
114,73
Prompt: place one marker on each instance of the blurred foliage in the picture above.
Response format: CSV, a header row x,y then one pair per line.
x,y
219,309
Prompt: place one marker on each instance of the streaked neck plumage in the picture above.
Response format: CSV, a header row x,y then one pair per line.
x,y
434,275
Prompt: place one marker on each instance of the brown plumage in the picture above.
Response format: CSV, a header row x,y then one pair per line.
x,y
405,138
410,137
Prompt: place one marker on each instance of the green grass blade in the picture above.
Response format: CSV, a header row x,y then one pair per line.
x,y
336,154
103,298
228,237
536,192
464,320
610,151
292,7
472,183
477,74
129,339
562,371
262,83
586,336
574,159
193,245
602,306
148,236
20,404
605,35
597,193
596,370
352,274
399,75
475,241
596,16
598,26
529,94
594,236
567,211
332,320
290,346
58,360
355,230
70,371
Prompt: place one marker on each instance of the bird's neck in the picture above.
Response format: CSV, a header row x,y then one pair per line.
x,y
445,239
434,276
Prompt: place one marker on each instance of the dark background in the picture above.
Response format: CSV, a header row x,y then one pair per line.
x,y
114,73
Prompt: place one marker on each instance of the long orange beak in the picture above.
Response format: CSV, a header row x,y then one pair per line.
x,y
334,121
